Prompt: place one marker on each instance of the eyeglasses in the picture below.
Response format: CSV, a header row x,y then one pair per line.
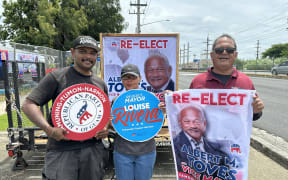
x,y
128,77
220,50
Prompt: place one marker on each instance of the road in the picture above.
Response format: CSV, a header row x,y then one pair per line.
x,y
274,94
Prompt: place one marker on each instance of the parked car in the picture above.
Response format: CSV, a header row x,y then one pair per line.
x,y
282,68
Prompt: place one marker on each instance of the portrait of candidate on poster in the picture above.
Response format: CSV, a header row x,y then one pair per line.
x,y
156,56
210,132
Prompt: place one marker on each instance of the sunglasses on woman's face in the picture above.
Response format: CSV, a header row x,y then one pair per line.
x,y
220,50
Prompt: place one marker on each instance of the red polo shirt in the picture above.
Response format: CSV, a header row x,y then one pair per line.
x,y
237,80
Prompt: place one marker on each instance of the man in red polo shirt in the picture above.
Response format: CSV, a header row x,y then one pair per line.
x,y
223,75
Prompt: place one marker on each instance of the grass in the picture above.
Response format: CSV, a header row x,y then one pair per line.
x,y
4,121
26,122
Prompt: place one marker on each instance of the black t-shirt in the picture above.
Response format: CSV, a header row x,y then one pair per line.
x,y
50,87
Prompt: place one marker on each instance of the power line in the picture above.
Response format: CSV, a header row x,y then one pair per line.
x,y
146,10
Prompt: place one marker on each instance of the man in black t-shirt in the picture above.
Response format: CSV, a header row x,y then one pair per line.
x,y
68,159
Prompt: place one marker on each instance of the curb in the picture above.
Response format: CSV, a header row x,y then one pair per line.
x,y
276,150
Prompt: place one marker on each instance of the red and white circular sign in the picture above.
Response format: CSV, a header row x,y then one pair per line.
x,y
82,110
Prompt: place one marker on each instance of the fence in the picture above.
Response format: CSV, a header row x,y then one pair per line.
x,y
25,64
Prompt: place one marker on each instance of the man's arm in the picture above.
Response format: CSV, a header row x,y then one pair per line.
x,y
33,112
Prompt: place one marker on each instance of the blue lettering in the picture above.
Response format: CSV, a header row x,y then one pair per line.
x,y
222,172
190,160
199,166
231,175
230,163
119,87
212,170
110,86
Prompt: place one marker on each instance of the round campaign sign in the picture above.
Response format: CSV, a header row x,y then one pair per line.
x,y
136,116
82,110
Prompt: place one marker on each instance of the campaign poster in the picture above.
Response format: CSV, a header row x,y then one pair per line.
x,y
156,56
3,57
27,67
136,116
210,131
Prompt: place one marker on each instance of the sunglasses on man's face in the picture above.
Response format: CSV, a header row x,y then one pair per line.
x,y
220,50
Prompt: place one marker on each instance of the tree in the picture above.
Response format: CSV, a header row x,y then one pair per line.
x,y
103,16
70,22
20,23
239,64
276,51
55,23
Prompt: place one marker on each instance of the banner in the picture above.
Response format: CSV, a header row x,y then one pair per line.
x,y
156,56
210,132
136,116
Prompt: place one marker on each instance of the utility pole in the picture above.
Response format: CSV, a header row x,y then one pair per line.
x,y
184,65
188,52
138,4
207,50
181,58
257,53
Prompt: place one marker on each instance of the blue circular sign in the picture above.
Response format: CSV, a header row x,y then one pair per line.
x,y
136,116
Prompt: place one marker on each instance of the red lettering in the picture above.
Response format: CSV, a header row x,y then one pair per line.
x,y
157,44
133,117
146,44
154,114
241,98
153,43
142,44
185,168
229,99
123,44
185,98
204,98
211,100
121,113
129,44
176,98
140,113
206,178
165,41
222,98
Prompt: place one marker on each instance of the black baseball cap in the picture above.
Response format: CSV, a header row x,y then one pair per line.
x,y
86,41
130,69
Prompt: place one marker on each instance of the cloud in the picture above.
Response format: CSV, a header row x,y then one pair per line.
x,y
208,19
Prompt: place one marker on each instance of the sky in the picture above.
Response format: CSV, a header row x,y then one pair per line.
x,y
195,20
